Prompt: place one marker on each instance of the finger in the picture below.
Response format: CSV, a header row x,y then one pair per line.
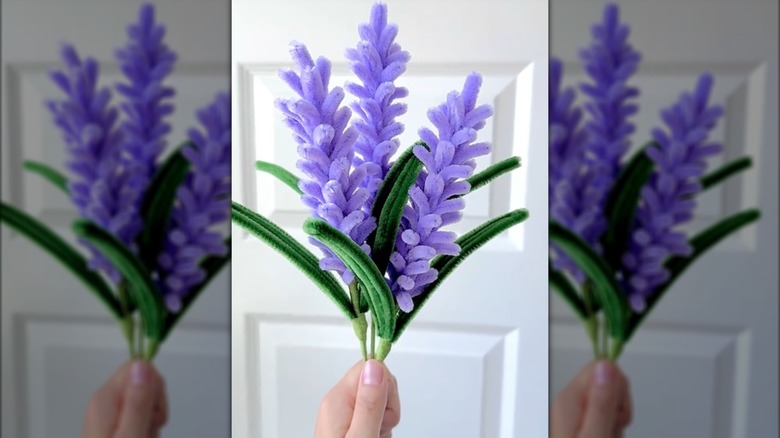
x,y
103,409
569,405
336,408
160,416
625,408
370,401
603,396
393,409
141,393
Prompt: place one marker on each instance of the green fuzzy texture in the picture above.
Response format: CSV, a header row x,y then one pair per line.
x,y
52,243
138,280
380,299
301,257
701,243
282,174
49,174
211,265
483,178
606,290
724,172
158,204
567,291
445,265
388,208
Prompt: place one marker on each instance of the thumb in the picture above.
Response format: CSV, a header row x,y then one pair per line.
x,y
603,397
370,401
141,392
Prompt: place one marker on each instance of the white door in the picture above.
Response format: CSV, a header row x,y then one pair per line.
x,y
474,363
705,362
58,343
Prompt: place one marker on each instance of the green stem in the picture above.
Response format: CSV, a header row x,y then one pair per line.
x,y
383,350
359,323
373,338
591,321
128,323
151,350
615,350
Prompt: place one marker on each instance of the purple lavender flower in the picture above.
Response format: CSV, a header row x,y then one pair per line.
x,y
377,62
325,144
202,202
447,161
101,190
146,61
667,199
609,61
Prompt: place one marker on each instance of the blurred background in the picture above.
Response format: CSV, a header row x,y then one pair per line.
x,y
705,362
59,344
474,362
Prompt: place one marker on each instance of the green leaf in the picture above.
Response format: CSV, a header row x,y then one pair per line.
x,y
49,241
380,298
139,282
700,243
281,174
725,171
295,252
486,176
389,204
445,265
212,265
607,292
49,174
621,205
158,204
567,291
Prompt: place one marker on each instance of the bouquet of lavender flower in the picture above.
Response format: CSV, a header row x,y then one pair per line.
x,y
614,242
378,222
148,226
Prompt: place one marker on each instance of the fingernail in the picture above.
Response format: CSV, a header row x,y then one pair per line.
x,y
604,374
139,373
373,373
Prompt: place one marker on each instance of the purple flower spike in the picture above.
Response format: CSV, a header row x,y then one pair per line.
x,y
573,200
377,62
666,201
447,161
101,190
609,61
202,202
333,189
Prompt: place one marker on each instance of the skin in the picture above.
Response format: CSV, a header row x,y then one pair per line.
x,y
595,404
355,408
131,404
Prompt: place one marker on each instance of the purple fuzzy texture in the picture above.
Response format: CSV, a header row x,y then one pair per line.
x,y
447,162
333,188
377,61
667,199
101,189
202,202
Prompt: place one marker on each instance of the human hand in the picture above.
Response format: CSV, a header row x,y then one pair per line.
x,y
595,404
364,404
131,404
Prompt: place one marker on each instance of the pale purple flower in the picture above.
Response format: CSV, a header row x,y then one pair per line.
x,y
101,190
202,202
667,199
435,200
377,61
332,187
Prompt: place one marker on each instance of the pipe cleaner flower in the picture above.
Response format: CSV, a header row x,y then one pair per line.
x,y
334,189
377,61
667,199
202,202
436,199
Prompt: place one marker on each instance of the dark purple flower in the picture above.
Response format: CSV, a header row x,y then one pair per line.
x,y
377,61
435,201
202,201
101,190
667,199
609,61
333,188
